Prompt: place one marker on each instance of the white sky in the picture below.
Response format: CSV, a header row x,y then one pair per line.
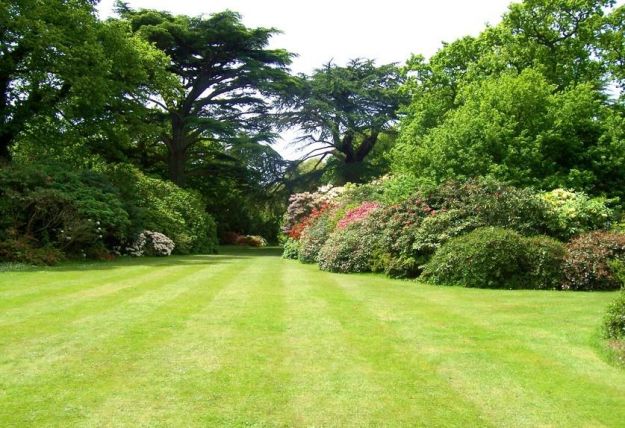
x,y
320,30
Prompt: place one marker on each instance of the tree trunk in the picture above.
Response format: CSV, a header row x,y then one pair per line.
x,y
6,138
177,145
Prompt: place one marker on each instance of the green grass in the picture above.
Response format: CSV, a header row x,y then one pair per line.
x,y
248,339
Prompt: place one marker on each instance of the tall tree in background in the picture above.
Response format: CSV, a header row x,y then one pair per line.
x,y
343,111
226,74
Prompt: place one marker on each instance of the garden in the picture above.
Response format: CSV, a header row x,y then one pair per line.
x,y
195,233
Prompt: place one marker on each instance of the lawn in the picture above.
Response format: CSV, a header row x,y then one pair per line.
x,y
248,339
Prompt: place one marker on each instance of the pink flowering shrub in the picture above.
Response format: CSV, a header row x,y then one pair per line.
x,y
357,214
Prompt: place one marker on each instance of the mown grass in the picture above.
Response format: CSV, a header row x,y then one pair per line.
x,y
247,339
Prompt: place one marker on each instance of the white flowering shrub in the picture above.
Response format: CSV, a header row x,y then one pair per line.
x,y
150,243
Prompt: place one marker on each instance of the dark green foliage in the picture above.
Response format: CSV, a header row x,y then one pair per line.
x,y
492,257
24,251
344,112
290,249
587,263
493,203
52,206
161,206
225,73
614,321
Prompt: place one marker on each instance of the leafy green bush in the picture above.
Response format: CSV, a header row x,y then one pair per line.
x,y
290,249
614,321
493,203
313,238
56,207
23,251
398,225
572,213
491,257
587,264
163,207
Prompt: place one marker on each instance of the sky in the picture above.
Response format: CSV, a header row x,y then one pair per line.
x,y
339,30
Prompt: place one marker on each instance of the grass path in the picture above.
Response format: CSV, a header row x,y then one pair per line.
x,y
248,339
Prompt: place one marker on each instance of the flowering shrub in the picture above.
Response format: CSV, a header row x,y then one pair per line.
x,y
290,249
251,241
399,225
314,236
151,244
493,203
587,262
492,257
357,214
572,213
301,205
296,231
348,250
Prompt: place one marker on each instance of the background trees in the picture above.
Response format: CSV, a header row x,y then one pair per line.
x,y
343,111
528,101
226,76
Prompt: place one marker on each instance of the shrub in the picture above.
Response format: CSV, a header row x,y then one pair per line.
x,y
398,225
587,261
301,205
161,206
251,241
22,250
347,250
572,213
491,257
290,249
357,214
313,238
493,203
545,262
614,321
151,244
56,207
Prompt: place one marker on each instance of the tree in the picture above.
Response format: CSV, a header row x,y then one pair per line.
x,y
226,78
342,111
61,67
524,101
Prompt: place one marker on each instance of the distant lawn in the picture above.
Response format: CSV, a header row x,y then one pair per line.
x,y
248,339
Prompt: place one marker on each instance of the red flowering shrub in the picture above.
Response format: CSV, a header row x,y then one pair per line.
x,y
357,214
295,232
587,261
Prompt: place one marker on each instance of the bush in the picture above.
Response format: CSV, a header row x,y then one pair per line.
x,y
290,249
150,243
161,206
313,238
614,321
58,208
572,213
491,257
22,250
587,262
493,203
251,241
398,225
347,250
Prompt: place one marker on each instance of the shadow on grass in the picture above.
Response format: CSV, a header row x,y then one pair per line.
x,y
225,254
